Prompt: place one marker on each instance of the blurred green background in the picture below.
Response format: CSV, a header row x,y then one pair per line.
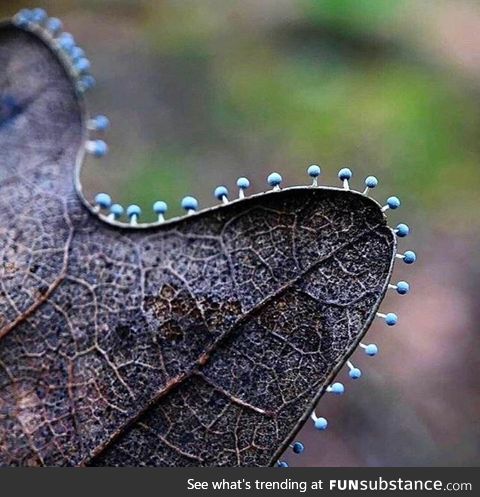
x,y
201,92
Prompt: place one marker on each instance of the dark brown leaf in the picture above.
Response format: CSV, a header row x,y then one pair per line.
x,y
204,341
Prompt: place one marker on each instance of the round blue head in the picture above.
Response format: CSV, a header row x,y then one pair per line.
x,y
321,424
190,203
298,447
371,182
133,210
393,202
355,373
38,15
82,65
23,17
66,41
220,192
402,230
54,25
87,82
409,257
77,53
403,287
274,179
371,350
103,200
282,464
314,171
337,388
243,183
391,319
100,148
160,207
102,123
345,173
117,210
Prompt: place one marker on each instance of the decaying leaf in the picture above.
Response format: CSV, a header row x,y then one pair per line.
x,y
202,341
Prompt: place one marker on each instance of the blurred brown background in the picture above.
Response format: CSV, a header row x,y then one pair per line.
x,y
201,92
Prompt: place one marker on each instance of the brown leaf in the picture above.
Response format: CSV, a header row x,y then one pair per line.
x,y
203,341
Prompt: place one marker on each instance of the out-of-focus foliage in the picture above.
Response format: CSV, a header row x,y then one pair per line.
x,y
333,82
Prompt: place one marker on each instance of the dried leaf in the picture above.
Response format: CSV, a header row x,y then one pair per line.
x,y
204,341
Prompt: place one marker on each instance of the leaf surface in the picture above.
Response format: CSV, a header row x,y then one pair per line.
x,y
204,341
